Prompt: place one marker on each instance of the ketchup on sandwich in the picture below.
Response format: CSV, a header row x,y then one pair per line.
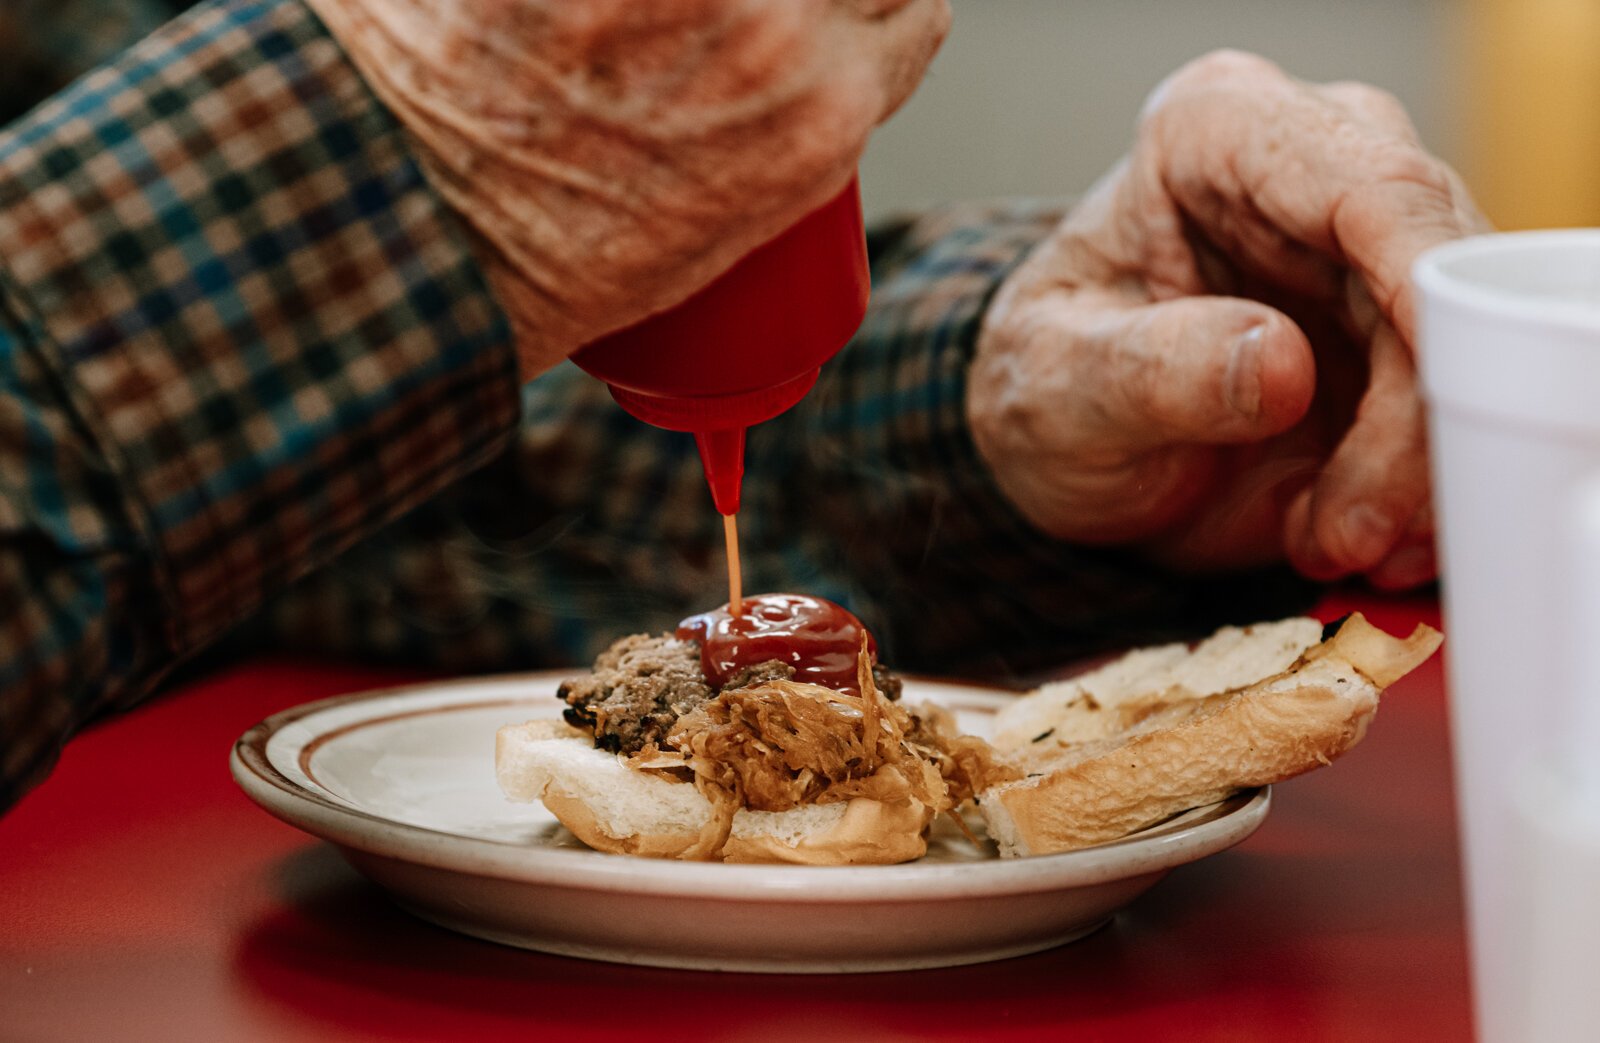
x,y
816,637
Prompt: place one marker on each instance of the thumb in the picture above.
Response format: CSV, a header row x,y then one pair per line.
x,y
1208,370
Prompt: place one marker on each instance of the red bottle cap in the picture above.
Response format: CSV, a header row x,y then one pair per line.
x,y
749,345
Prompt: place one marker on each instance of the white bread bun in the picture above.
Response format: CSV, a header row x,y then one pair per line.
x,y
613,807
1179,729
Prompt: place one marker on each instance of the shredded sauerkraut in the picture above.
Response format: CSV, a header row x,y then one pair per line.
x,y
780,744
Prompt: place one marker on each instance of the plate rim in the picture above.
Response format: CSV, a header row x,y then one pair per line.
x,y
322,815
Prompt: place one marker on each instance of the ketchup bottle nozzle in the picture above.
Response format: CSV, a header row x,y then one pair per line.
x,y
722,456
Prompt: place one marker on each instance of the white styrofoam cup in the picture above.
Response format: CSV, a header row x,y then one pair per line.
x,y
1509,342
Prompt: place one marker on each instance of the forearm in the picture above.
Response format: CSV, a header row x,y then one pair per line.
x,y
242,332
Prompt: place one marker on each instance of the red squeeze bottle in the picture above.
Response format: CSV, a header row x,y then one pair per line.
x,y
749,345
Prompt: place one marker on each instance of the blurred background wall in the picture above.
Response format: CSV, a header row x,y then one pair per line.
x,y
1038,97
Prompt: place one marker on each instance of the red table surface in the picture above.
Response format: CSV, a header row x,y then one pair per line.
x,y
142,896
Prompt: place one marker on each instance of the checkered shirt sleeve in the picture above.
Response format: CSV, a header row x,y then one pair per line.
x,y
870,492
237,332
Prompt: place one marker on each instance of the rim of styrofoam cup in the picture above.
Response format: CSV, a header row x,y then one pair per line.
x,y
1470,373
1432,272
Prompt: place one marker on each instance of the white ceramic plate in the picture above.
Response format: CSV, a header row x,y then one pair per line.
x,y
402,781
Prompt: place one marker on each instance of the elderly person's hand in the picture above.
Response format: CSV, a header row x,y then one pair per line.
x,y
613,156
1209,361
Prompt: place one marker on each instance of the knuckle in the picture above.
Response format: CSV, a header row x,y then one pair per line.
x,y
1227,65
1145,361
1402,162
1364,93
1222,69
1371,103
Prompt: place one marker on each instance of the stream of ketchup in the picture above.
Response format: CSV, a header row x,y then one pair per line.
x,y
817,637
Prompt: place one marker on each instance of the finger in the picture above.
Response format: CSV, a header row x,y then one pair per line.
x,y
1236,126
1375,106
1100,419
909,34
1407,568
874,8
1355,514
1414,562
1201,370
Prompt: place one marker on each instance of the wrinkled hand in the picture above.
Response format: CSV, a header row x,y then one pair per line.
x,y
1209,360
613,156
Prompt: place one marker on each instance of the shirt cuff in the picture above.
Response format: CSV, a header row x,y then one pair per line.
x,y
270,324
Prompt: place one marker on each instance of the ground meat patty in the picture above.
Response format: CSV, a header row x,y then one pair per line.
x,y
771,670
641,685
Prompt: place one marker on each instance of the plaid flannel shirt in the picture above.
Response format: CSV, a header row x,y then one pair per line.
x,y
253,387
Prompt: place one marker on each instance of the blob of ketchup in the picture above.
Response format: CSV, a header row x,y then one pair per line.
x,y
818,638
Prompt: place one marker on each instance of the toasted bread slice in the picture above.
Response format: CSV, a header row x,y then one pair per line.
x,y
1096,770
1108,701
